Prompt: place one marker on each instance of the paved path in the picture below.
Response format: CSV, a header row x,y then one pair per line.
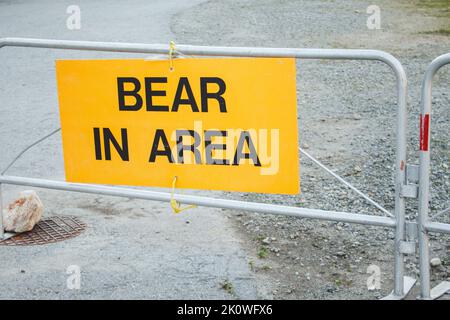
x,y
132,249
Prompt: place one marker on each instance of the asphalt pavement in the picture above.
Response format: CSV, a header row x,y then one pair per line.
x,y
131,248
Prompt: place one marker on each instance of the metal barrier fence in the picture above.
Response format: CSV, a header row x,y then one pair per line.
x,y
426,226
403,190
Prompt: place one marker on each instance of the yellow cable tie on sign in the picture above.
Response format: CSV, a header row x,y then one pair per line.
x,y
176,206
171,52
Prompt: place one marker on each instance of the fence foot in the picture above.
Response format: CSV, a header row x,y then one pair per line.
x,y
408,284
7,235
439,290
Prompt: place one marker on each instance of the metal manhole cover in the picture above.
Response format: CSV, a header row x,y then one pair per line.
x,y
48,230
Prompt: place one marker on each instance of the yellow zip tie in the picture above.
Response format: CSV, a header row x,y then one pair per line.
x,y
176,206
171,52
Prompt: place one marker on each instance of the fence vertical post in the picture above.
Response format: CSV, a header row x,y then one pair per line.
x,y
400,176
424,189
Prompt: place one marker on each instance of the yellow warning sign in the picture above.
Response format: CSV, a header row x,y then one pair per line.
x,y
221,124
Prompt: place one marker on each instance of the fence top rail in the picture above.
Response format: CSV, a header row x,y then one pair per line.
x,y
304,53
432,69
435,65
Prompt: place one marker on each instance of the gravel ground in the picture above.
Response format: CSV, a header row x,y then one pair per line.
x,y
346,120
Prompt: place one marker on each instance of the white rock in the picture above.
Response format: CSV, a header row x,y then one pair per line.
x,y
435,262
23,214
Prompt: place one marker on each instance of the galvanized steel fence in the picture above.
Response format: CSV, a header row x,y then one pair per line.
x,y
424,223
405,176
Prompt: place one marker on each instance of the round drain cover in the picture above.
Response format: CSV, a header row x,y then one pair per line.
x,y
48,230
